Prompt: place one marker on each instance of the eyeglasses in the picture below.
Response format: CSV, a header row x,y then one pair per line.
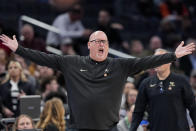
x,y
99,41
132,95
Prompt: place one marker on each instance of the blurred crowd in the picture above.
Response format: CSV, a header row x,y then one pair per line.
x,y
20,77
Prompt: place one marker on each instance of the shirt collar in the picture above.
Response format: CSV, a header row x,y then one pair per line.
x,y
96,62
13,82
166,78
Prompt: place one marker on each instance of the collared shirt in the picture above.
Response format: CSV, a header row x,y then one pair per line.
x,y
167,101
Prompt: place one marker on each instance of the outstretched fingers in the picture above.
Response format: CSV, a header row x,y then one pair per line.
x,y
189,50
14,37
6,37
181,44
2,38
190,45
9,42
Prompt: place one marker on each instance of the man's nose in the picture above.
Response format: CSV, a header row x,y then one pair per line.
x,y
101,44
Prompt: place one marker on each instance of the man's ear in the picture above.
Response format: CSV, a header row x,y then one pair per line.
x,y
88,44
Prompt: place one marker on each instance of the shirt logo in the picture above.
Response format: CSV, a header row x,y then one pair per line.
x,y
106,70
152,85
170,88
82,70
171,83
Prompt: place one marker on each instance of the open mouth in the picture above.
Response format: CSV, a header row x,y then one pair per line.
x,y
101,51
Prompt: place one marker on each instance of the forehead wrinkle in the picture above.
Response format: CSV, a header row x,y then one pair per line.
x,y
96,33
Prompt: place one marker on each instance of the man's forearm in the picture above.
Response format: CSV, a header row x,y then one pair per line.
x,y
152,61
38,57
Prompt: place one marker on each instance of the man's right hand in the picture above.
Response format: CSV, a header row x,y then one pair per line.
x,y
184,50
10,43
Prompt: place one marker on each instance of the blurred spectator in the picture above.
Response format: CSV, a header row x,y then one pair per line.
x,y
23,122
175,9
154,43
52,116
188,63
127,87
169,34
3,62
58,94
137,49
3,57
191,4
147,8
63,4
187,28
70,26
50,85
126,9
50,89
14,86
125,124
130,98
43,72
111,29
26,71
67,47
157,2
6,49
28,39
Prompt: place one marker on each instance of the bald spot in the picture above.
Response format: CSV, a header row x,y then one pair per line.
x,y
97,33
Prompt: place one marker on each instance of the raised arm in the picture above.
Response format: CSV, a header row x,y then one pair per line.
x,y
38,57
138,64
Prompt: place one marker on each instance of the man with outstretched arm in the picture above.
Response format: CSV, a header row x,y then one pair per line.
x,y
95,82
